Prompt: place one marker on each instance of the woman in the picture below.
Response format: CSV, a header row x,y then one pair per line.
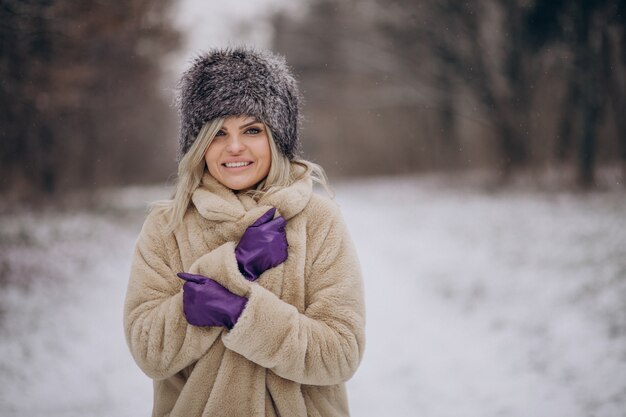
x,y
245,295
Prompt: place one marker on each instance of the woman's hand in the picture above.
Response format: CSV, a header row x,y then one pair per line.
x,y
207,303
262,246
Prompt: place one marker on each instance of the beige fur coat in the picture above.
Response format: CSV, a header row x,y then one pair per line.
x,y
300,336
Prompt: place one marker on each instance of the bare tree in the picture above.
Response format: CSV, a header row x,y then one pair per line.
x,y
484,65
79,91
482,45
586,29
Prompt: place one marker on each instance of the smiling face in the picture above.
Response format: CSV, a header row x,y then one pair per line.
x,y
239,156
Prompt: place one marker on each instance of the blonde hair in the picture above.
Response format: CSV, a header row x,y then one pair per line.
x,y
192,167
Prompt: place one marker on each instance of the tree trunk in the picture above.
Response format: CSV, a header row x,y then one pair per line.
x,y
587,150
447,118
567,124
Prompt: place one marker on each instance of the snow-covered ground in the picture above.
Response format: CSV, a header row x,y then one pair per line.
x,y
479,304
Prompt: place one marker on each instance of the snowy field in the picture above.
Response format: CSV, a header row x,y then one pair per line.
x,y
480,304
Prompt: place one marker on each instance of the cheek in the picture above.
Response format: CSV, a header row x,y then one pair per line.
x,y
211,154
211,160
269,162
266,153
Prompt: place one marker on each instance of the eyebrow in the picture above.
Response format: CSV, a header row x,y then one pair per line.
x,y
250,123
244,125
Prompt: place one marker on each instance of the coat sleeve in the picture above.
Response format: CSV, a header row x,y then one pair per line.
x,y
324,344
158,335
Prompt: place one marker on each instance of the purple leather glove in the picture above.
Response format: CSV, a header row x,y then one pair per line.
x,y
207,303
262,246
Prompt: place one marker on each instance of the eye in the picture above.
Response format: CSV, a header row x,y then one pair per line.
x,y
253,131
220,133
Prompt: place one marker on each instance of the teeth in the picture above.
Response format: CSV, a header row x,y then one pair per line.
x,y
236,164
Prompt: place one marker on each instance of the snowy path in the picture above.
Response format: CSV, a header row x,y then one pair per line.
x,y
508,304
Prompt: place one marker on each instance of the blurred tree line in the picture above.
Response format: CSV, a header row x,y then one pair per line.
x,y
80,101
407,85
391,86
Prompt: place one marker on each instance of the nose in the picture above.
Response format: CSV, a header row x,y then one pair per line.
x,y
235,144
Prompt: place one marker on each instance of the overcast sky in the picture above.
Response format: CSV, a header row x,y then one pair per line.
x,y
207,24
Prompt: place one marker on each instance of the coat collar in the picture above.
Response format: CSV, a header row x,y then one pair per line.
x,y
218,203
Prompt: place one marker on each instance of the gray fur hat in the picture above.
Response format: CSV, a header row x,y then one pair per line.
x,y
240,81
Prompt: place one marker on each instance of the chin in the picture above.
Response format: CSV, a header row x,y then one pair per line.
x,y
240,187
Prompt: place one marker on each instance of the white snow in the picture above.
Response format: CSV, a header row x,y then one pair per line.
x,y
479,303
